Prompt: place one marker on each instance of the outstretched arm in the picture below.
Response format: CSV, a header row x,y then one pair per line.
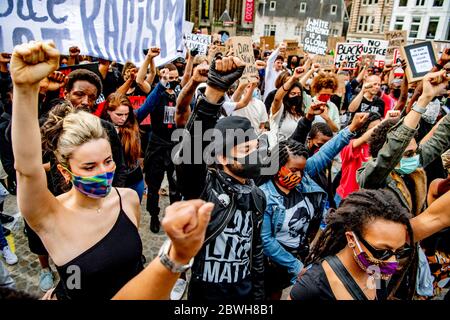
x,y
185,223
30,64
146,84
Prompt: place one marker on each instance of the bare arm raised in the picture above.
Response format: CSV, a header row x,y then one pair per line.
x,y
30,64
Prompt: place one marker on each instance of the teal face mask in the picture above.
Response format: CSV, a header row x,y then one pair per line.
x,y
408,165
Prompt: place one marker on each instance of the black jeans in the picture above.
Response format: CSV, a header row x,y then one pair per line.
x,y
157,162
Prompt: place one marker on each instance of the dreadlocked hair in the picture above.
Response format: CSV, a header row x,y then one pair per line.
x,y
281,153
354,213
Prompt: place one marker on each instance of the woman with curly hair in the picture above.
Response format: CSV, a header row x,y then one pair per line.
x,y
367,248
323,86
119,111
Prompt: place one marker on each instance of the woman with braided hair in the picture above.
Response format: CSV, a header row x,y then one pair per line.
x,y
369,240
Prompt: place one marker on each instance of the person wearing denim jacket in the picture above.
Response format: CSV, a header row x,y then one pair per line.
x,y
385,169
274,214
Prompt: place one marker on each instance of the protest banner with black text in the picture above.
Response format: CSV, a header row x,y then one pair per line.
x,y
349,52
243,49
116,30
198,41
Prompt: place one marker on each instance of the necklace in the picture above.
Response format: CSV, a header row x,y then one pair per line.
x,y
98,210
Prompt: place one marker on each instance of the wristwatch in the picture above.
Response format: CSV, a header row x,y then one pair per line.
x,y
418,109
168,263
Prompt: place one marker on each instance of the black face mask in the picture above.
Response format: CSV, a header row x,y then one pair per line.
x,y
293,102
396,93
250,166
173,84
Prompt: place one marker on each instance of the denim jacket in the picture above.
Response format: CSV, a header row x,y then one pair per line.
x,y
274,214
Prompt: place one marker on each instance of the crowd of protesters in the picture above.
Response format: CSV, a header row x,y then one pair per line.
x,y
332,181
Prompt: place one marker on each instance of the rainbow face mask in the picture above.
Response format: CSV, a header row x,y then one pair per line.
x,y
98,186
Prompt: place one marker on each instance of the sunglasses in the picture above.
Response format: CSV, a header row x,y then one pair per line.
x,y
385,254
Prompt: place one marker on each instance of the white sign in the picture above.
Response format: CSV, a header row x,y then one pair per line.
x,y
349,52
421,58
200,41
378,48
116,30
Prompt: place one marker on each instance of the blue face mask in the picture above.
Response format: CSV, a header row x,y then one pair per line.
x,y
408,165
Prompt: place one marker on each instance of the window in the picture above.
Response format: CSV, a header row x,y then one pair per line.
x,y
432,26
420,3
383,24
366,23
415,24
333,9
298,31
438,3
399,23
273,5
303,7
269,30
403,3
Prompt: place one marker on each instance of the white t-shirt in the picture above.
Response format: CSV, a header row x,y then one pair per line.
x,y
255,112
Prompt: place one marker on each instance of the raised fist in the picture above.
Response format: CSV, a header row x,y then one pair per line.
x,y
31,62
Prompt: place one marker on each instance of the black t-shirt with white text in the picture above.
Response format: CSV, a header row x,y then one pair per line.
x,y
376,105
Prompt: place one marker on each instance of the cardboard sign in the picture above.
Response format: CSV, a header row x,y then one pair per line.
x,y
350,52
375,47
332,41
137,102
199,41
396,39
267,43
243,49
316,37
213,50
326,62
420,59
291,48
439,46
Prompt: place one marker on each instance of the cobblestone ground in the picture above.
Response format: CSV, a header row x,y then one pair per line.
x,y
26,271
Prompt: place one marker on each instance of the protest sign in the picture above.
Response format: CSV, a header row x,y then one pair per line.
x,y
377,48
214,49
420,59
199,41
291,47
326,62
396,39
267,43
350,52
243,49
439,46
316,37
114,30
332,41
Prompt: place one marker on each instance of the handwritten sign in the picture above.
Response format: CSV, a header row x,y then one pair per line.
x,y
396,39
316,38
326,62
243,49
291,47
375,48
114,30
333,40
420,59
350,52
199,41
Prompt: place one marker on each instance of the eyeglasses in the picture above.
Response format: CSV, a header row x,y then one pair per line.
x,y
385,254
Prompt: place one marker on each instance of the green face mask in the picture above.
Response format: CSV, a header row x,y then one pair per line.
x,y
408,165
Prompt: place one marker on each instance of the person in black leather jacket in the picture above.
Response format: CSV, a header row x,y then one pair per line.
x,y
230,265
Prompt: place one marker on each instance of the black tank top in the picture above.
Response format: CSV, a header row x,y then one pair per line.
x,y
102,270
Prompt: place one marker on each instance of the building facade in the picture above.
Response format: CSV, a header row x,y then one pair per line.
x,y
235,17
285,19
422,19
370,19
